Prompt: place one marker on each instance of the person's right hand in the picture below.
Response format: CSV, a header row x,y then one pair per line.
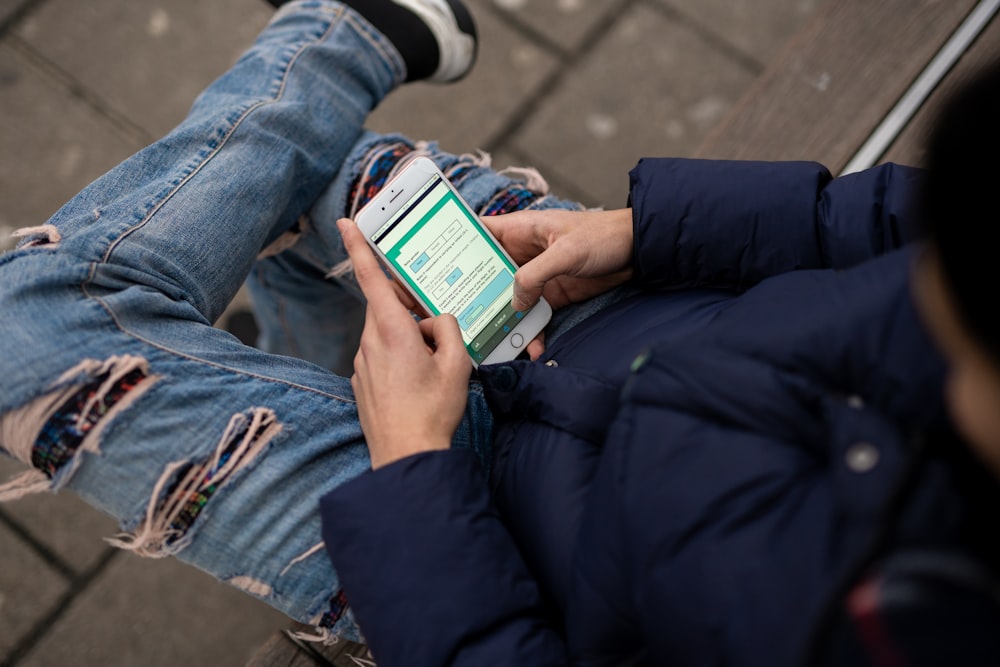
x,y
411,380
565,256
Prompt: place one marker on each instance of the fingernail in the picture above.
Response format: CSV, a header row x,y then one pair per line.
x,y
342,224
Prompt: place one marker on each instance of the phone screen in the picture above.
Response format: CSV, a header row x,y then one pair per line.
x,y
441,250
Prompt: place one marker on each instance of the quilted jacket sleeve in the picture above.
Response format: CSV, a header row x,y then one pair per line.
x,y
732,223
431,572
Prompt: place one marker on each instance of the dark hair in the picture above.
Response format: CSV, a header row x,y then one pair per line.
x,y
961,203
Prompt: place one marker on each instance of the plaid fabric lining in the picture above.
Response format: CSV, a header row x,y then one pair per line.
x,y
459,171
382,164
195,503
373,178
864,604
63,433
514,198
205,489
338,605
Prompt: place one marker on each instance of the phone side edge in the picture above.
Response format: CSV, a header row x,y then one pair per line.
x,y
534,322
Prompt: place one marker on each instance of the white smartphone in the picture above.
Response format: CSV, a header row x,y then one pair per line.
x,y
447,259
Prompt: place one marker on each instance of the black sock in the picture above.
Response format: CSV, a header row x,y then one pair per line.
x,y
407,32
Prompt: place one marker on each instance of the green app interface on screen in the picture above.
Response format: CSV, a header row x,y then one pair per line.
x,y
444,254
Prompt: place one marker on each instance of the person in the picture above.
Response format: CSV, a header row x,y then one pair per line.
x,y
927,592
700,451
774,479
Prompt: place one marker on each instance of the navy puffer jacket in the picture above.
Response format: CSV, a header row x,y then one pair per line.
x,y
702,469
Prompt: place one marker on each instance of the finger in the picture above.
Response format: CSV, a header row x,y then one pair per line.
x,y
443,335
420,311
357,378
498,224
371,337
427,327
530,279
378,290
520,233
536,347
492,223
446,345
407,300
427,330
404,296
449,343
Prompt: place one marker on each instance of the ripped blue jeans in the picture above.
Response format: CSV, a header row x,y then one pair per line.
x,y
115,385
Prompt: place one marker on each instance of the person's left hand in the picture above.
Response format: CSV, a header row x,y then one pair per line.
x,y
410,379
565,256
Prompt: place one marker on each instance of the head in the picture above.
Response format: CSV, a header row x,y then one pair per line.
x,y
957,282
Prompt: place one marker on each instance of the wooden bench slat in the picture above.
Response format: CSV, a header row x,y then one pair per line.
x,y
831,86
909,147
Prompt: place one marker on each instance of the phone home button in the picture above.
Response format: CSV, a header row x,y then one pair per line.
x,y
517,340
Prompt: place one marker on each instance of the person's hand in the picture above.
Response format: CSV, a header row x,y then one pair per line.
x,y
565,256
410,379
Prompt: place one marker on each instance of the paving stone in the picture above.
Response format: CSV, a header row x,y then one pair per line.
x,y
8,7
505,157
52,143
759,28
237,307
467,115
67,526
28,589
156,613
609,111
824,95
567,23
156,60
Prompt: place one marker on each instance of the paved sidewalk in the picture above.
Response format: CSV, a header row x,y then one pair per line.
x,y
578,88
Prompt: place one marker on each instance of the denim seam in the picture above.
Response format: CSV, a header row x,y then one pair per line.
x,y
338,15
379,42
59,382
367,30
335,21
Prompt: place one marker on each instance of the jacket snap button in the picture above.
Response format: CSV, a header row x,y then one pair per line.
x,y
552,363
505,378
862,457
856,402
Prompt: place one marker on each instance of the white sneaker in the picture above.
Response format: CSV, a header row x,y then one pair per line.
x,y
455,32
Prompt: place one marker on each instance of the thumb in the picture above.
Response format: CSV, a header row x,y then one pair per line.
x,y
448,340
530,279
